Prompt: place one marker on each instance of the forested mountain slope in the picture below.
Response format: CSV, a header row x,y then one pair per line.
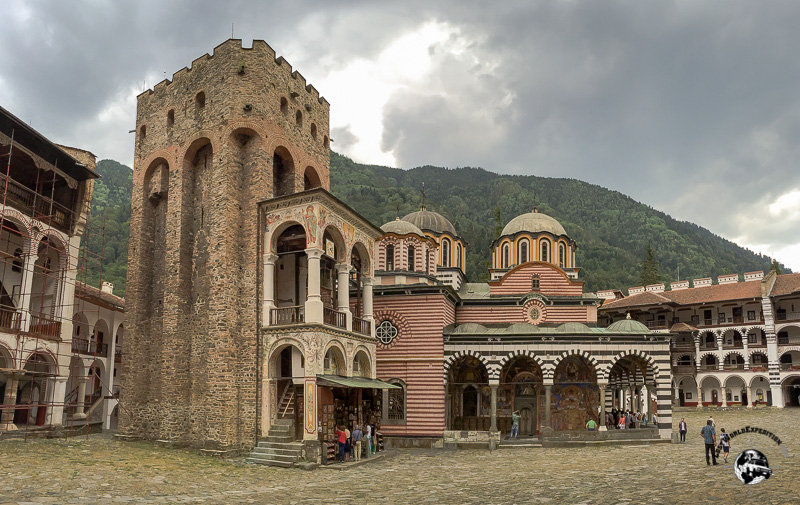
x,y
611,229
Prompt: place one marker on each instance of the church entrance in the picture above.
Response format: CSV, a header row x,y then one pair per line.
x,y
526,425
468,395
520,389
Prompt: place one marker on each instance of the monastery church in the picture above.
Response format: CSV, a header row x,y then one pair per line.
x,y
263,310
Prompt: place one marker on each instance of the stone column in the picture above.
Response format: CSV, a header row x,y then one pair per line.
x,y
774,371
719,352
601,422
59,393
750,398
367,301
746,344
26,285
548,391
81,399
9,404
699,398
268,288
343,292
677,394
313,305
493,426
724,393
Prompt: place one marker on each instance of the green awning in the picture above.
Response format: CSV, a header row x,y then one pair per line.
x,y
336,381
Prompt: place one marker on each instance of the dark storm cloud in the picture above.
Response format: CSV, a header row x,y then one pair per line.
x,y
688,106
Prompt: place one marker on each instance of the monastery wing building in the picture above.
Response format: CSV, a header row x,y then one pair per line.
x,y
263,311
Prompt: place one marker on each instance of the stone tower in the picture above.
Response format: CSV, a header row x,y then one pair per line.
x,y
236,128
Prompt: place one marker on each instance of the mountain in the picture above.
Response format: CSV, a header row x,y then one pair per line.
x,y
611,229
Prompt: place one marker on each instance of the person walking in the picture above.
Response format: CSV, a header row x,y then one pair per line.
x,y
591,425
514,424
725,439
356,437
342,437
682,428
710,438
347,445
369,439
713,424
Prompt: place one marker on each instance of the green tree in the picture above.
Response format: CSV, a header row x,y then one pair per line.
x,y
775,266
650,273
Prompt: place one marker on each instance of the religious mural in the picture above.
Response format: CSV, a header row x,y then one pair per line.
x,y
575,395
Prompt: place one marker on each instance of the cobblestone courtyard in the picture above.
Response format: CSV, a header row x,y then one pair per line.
x,y
102,470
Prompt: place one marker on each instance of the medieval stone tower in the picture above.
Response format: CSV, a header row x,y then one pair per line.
x,y
236,128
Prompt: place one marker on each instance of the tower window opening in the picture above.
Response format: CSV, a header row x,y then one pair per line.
x,y
445,253
411,266
523,252
200,100
458,256
545,253
504,263
284,105
299,118
562,256
390,257
314,131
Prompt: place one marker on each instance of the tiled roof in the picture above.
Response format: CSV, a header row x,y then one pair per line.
x,y
86,291
639,299
786,284
681,327
716,293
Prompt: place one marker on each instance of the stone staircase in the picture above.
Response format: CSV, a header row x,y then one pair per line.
x,y
279,447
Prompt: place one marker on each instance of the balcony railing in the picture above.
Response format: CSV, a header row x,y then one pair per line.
x,y
362,326
733,366
683,369
790,366
8,317
44,326
659,324
708,368
44,208
334,318
83,346
735,345
787,316
287,315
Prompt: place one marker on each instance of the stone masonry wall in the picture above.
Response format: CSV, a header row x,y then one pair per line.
x,y
205,144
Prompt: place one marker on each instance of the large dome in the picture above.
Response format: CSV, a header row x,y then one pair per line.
x,y
427,220
534,222
401,228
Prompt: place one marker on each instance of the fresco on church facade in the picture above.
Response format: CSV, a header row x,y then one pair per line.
x,y
575,395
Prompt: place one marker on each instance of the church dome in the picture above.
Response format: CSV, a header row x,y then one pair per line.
x,y
401,228
628,326
432,221
534,222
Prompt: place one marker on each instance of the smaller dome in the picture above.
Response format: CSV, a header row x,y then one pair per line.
x,y
628,326
401,228
534,222
573,328
427,220
522,328
470,328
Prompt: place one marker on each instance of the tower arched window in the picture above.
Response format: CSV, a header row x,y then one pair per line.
x,y
445,253
544,255
562,256
411,265
427,261
504,263
390,257
458,256
523,251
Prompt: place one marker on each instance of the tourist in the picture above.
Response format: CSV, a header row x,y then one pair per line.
x,y
514,424
368,436
726,444
644,419
347,445
621,424
356,437
629,424
682,428
655,420
342,437
590,424
711,418
710,438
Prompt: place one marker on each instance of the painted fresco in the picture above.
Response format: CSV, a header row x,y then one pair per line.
x,y
575,395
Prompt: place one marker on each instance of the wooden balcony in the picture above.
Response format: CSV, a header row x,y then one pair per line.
x,y
334,318
8,318
683,369
45,326
362,326
287,315
787,316
40,206
83,346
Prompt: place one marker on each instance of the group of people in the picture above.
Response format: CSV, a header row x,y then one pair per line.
x,y
351,444
709,434
627,419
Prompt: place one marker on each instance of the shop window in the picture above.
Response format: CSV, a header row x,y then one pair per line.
x,y
523,252
411,265
386,332
535,282
390,257
395,401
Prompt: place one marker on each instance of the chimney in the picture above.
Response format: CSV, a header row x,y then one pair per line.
x,y
655,288
705,281
635,291
753,276
728,278
107,288
678,285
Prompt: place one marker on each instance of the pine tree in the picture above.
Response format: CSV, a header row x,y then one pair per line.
x,y
650,273
776,266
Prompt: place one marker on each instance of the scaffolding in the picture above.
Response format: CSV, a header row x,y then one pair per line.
x,y
48,389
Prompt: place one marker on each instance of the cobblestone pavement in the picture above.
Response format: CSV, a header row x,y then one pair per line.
x,y
102,470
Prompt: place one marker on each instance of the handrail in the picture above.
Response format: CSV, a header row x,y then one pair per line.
x,y
362,326
287,315
334,318
45,208
285,409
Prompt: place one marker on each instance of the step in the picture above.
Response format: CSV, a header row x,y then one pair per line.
x,y
289,458
264,452
291,444
523,445
285,421
277,439
269,462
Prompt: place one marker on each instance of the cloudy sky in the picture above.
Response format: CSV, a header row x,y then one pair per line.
x,y
690,106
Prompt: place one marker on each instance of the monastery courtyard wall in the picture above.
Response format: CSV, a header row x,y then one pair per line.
x,y
45,472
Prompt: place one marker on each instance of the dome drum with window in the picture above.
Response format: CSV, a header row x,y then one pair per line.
x,y
533,237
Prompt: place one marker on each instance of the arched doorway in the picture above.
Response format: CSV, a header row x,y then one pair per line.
x,y
711,391
791,391
468,395
575,396
521,388
286,371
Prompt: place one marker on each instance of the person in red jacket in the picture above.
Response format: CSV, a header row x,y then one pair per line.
x,y
342,436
